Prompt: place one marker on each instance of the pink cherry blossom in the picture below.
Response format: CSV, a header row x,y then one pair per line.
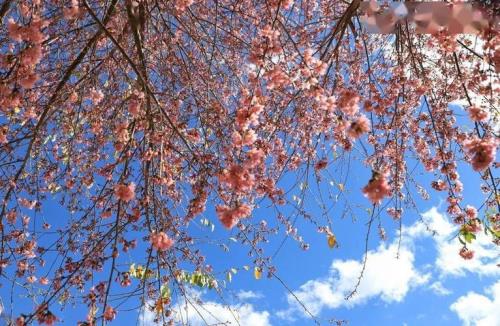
x,y
359,127
125,192
11,216
246,138
109,313
466,254
15,31
32,55
96,96
28,81
477,114
348,102
471,212
230,216
321,164
483,152
3,135
160,241
27,203
182,5
238,178
134,107
231,108
255,157
45,316
377,188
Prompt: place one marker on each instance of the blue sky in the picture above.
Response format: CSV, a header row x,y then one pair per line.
x,y
428,285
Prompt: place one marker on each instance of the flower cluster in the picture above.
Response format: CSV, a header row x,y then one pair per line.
x,y
238,178
224,108
477,114
230,216
109,313
161,241
125,192
348,102
466,253
359,127
483,152
377,188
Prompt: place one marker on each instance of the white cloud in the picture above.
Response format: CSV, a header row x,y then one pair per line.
x,y
448,261
477,309
390,278
215,313
390,274
197,311
386,276
248,295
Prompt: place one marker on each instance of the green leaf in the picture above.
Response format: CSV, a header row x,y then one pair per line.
x,y
495,233
468,237
165,291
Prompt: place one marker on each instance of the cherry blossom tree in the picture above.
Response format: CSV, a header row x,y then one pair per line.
x,y
141,117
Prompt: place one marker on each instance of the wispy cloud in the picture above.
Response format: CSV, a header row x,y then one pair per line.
x,y
438,288
196,310
248,295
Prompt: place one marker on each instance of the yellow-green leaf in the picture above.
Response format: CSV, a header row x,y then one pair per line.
x,y
332,241
257,273
132,270
468,237
165,291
